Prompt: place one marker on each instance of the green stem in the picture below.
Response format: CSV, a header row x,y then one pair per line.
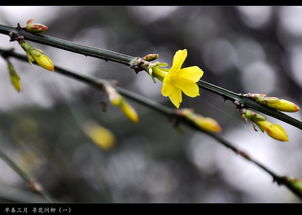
x,y
70,46
219,90
99,83
131,61
250,103
30,181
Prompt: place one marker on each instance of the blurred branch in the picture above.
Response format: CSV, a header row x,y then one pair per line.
x,y
134,63
10,194
99,83
34,185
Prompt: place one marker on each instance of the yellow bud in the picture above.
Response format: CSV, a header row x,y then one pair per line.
x,y
117,100
204,123
41,59
129,111
100,135
207,123
275,103
283,105
114,97
275,131
14,77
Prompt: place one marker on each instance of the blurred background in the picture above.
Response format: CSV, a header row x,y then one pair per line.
x,y
256,49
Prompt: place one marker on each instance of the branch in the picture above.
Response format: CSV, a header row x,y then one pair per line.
x,y
99,83
10,194
70,46
134,62
248,102
34,185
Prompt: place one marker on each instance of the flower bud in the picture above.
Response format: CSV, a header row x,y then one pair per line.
x,y
100,135
114,97
129,111
36,55
207,123
275,103
279,104
275,131
41,59
117,100
204,123
35,27
14,77
26,47
151,57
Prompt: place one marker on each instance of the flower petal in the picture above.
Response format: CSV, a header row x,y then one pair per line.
x,y
167,87
189,88
178,60
175,97
192,73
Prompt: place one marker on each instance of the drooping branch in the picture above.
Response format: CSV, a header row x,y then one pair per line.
x,y
171,113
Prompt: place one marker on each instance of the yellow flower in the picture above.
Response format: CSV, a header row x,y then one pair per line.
x,y
273,130
179,79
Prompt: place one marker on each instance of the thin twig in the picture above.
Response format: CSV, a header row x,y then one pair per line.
x,y
32,183
98,83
